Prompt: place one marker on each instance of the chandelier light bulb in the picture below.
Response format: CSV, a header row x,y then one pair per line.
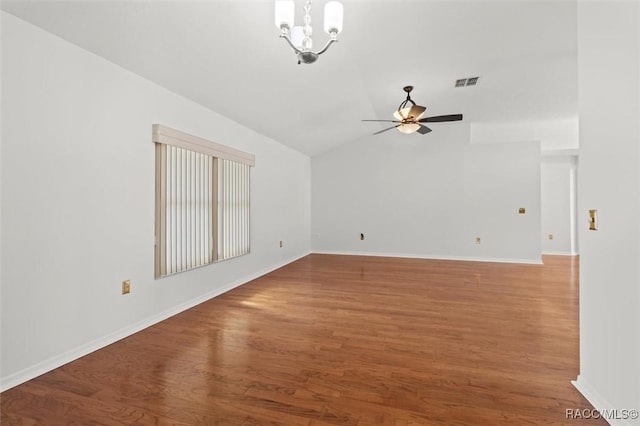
x,y
297,35
333,17
284,14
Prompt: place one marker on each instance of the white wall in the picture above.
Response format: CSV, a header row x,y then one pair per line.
x,y
561,134
78,202
428,196
559,145
557,180
609,104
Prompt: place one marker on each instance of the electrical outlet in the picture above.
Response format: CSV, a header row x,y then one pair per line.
x,y
126,286
593,220
477,240
551,236
522,210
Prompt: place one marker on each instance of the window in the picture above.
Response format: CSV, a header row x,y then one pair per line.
x,y
202,201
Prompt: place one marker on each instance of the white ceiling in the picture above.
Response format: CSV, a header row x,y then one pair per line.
x,y
227,56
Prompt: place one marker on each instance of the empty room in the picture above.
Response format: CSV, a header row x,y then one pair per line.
x,y
387,212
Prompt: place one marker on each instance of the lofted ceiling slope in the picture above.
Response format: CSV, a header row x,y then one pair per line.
x,y
226,55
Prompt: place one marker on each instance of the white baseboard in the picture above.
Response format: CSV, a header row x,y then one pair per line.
x,y
45,366
432,257
559,253
598,402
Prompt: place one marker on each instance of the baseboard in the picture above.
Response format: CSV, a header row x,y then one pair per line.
x,y
34,371
559,253
599,403
432,257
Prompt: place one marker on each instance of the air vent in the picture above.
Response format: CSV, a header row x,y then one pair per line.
x,y
471,81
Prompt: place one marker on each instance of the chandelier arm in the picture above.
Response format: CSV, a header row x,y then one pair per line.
x,y
326,46
286,37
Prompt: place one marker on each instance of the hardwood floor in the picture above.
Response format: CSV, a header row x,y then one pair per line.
x,y
340,340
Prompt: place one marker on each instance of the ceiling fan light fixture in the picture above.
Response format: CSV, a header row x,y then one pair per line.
x,y
401,114
408,128
413,112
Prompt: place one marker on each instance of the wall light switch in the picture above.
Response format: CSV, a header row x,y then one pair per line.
x,y
126,286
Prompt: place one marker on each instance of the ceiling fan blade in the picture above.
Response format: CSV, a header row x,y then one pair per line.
x,y
416,112
423,130
387,121
441,118
384,130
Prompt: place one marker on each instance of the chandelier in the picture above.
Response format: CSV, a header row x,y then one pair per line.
x,y
299,37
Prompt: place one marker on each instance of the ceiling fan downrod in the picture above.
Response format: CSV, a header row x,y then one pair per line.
x,y
404,103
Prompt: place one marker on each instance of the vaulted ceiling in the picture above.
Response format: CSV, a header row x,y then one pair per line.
x,y
227,56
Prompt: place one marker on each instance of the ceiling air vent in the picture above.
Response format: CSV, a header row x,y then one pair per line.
x,y
471,81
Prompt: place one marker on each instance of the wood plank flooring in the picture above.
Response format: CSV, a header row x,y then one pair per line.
x,y
339,340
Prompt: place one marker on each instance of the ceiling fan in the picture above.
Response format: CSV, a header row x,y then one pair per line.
x,y
409,118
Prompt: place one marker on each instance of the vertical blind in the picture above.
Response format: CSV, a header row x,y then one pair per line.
x,y
233,209
202,202
186,211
